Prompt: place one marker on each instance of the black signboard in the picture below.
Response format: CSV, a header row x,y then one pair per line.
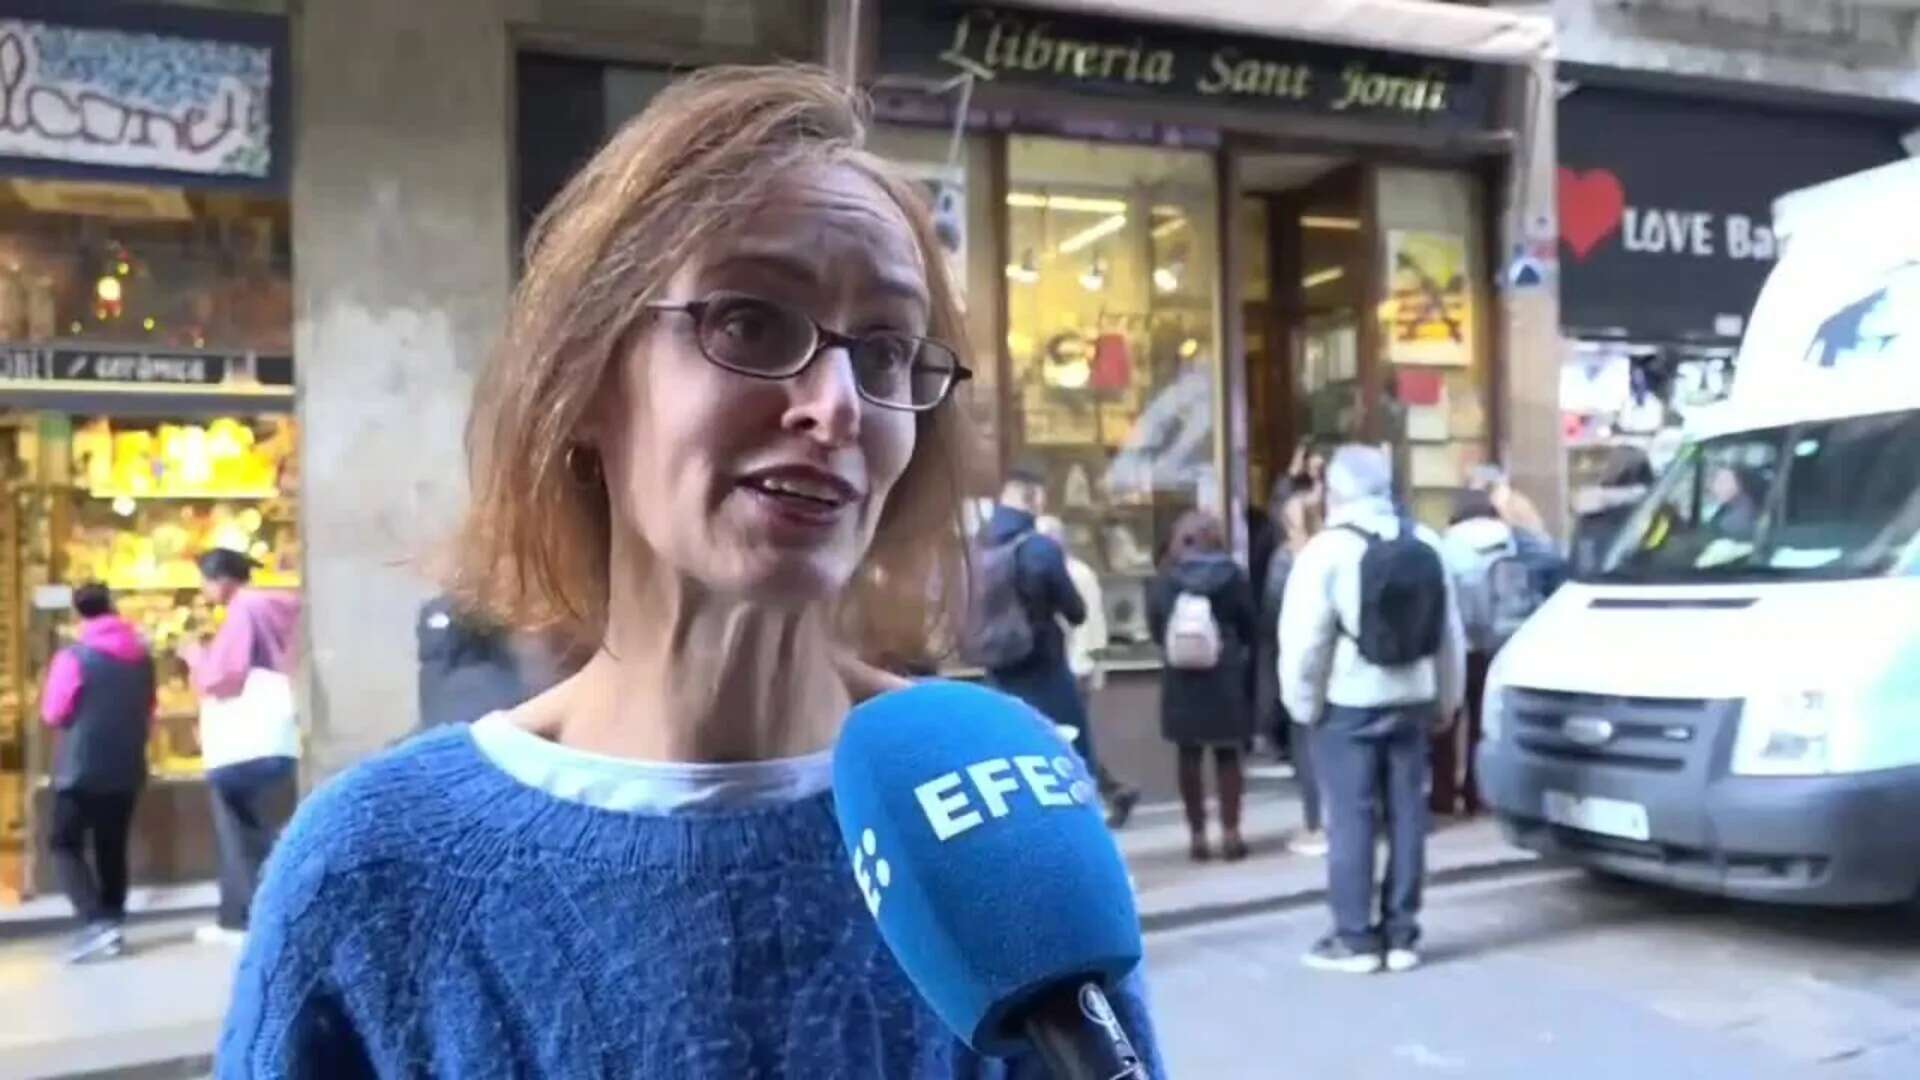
x,y
1666,204
81,366
1000,45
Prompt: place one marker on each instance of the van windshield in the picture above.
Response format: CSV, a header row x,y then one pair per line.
x,y
1819,500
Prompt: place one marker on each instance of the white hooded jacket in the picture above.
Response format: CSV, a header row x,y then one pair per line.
x,y
1320,662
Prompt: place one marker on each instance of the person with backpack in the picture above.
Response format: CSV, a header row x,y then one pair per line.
x,y
1372,659
99,696
1022,593
1497,591
1201,610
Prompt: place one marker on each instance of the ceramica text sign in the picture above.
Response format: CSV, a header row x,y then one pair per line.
x,y
187,94
1138,60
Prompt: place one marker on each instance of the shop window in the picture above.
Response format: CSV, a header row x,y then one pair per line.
x,y
1111,287
1432,327
126,265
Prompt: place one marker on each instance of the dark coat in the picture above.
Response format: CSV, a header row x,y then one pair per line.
x,y
467,668
1267,657
1043,680
1207,707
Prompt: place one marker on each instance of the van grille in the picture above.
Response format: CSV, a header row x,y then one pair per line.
x,y
1638,733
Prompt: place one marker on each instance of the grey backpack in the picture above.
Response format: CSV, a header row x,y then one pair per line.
x,y
997,632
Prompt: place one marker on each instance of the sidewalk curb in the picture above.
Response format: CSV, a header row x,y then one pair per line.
x,y
188,1067
1199,915
22,929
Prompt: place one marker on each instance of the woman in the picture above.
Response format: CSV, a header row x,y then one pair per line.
x,y
718,440
1202,708
1477,538
249,736
1300,522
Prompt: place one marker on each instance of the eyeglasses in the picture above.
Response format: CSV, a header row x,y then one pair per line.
x,y
765,340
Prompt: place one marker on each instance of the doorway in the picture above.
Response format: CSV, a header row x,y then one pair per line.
x,y
1304,304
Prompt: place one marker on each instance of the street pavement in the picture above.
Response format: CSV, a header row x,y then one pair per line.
x,y
1549,973
1535,972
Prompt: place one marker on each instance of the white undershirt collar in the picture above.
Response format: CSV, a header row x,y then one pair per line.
x,y
647,787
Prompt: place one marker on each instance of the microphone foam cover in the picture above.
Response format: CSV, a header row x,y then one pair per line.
x,y
977,839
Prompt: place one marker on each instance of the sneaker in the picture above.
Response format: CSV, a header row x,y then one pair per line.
x,y
215,934
1311,844
1332,954
101,941
1120,808
1399,960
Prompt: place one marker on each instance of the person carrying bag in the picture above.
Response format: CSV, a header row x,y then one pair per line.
x,y
249,728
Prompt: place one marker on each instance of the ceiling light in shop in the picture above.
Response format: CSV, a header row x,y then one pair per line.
x,y
1093,232
1166,279
108,289
1095,277
1032,200
1340,224
1323,277
1026,271
1168,228
125,506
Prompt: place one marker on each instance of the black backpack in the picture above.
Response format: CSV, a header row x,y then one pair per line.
x,y
1403,598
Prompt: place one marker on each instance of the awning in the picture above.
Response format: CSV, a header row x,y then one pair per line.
x,y
1416,26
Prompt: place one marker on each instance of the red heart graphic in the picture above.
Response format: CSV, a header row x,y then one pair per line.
x,y
1590,207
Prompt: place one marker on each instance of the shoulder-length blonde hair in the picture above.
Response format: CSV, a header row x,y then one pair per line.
x,y
534,550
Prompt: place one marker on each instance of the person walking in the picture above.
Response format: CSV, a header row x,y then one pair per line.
x,y
249,732
1085,644
1038,600
1372,658
720,442
1300,521
1200,609
99,696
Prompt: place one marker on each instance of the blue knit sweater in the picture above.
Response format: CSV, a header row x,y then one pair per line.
x,y
428,915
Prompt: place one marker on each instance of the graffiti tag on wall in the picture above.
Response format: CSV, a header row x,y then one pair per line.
x,y
135,100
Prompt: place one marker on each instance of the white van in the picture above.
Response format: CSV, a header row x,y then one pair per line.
x,y
1730,700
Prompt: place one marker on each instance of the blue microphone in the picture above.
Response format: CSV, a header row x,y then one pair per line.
x,y
977,841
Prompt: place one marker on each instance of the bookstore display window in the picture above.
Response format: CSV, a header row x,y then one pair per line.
x,y
1111,294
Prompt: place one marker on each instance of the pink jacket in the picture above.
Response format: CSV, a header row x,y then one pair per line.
x,y
262,625
109,635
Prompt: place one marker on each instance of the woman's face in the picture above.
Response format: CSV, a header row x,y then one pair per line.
x,y
768,491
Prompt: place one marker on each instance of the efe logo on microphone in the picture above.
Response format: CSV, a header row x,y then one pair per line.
x,y
1052,784
873,874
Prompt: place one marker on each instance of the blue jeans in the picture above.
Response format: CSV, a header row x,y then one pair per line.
x,y
1371,765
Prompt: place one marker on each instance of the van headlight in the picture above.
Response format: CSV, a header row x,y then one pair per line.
x,y
1786,734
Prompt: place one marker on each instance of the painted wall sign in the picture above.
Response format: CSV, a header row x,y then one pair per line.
x,y
100,91
1139,60
1665,203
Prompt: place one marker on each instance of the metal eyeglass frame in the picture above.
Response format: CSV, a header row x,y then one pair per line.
x,y
824,338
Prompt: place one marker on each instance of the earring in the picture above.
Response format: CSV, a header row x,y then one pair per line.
x,y
582,464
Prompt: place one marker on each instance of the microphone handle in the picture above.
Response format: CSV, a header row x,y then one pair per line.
x,y
1078,1035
